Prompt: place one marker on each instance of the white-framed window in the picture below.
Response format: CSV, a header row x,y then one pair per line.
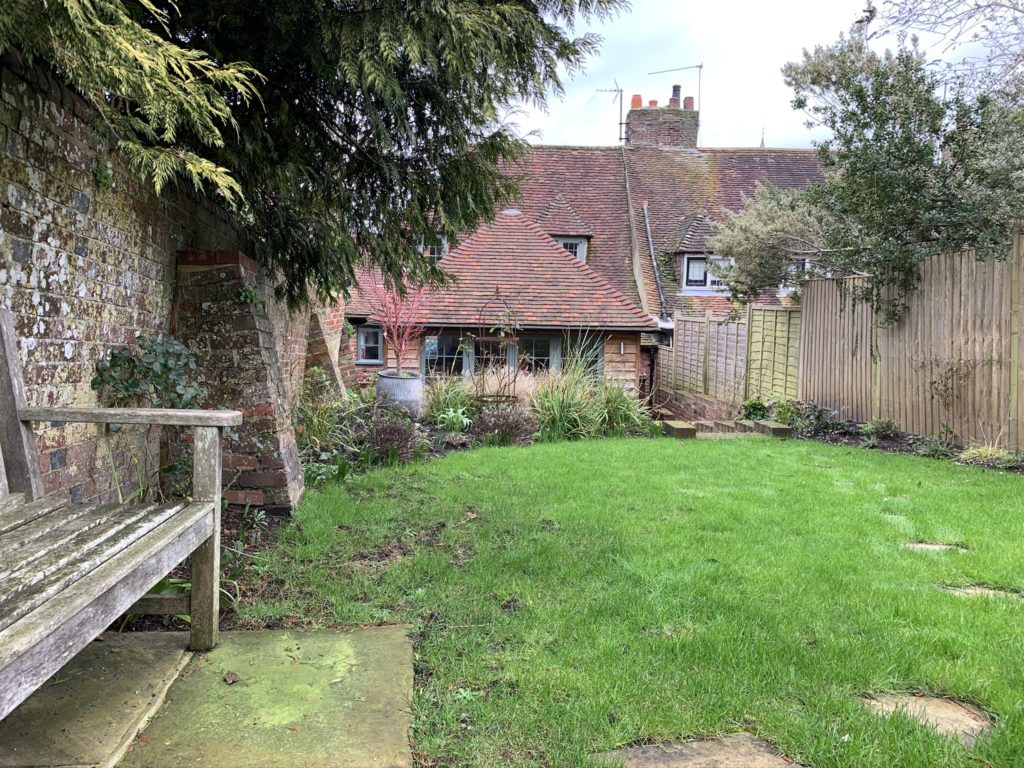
x,y
577,246
369,345
697,275
435,247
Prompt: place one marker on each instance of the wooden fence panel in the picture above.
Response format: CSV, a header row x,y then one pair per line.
x,y
836,365
952,361
726,360
774,352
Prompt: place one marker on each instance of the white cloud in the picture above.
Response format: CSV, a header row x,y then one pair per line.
x,y
743,46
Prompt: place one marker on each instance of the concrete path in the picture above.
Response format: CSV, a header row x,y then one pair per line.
x,y
322,699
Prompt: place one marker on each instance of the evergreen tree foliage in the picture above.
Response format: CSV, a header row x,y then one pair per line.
x,y
916,165
355,128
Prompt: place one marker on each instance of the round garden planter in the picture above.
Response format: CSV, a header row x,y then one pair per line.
x,y
404,389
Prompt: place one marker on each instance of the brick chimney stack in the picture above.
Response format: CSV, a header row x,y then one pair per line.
x,y
668,126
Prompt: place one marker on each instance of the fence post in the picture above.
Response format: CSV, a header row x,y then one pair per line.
x,y
1013,422
707,348
746,353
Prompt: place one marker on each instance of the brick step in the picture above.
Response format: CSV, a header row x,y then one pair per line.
x,y
704,426
725,425
773,429
681,430
746,425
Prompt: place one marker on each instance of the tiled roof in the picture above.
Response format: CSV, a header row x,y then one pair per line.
x,y
694,233
544,285
592,182
559,218
680,184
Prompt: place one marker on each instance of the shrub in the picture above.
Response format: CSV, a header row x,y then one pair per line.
x,y
450,393
504,425
623,412
935,447
813,419
391,438
567,406
784,410
992,456
881,429
754,409
318,414
160,373
454,420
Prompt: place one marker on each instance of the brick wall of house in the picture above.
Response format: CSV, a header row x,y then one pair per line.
x,y
622,359
87,259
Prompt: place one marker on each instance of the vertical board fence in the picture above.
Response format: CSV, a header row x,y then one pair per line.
x,y
729,360
954,360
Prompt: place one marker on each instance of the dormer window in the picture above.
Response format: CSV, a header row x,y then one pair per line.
x,y
577,246
697,276
435,247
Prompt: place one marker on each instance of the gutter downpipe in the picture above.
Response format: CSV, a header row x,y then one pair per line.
x,y
654,263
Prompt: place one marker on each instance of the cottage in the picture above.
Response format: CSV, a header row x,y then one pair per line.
x,y
522,298
637,219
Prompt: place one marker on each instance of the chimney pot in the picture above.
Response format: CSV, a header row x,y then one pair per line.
x,y
652,103
676,91
688,103
637,101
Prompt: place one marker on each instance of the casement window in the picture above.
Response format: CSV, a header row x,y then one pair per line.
x,y
369,345
697,275
577,246
444,356
540,353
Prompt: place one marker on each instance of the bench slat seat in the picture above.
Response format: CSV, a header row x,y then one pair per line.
x,y
55,561
16,515
68,570
44,639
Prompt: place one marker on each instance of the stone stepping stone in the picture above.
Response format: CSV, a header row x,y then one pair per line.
x,y
950,718
933,546
738,750
977,590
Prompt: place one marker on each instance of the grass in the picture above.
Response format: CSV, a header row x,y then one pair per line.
x,y
572,598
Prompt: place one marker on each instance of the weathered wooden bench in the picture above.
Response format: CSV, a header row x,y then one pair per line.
x,y
68,570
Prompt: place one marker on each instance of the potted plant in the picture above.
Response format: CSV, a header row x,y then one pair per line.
x,y
399,313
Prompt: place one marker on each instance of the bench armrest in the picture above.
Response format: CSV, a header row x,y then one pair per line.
x,y
158,416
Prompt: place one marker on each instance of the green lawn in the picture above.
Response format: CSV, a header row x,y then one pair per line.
x,y
572,598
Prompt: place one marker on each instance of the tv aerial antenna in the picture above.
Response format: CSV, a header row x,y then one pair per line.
x,y
698,67
617,90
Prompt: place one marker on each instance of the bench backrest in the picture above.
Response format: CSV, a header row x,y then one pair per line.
x,y
19,457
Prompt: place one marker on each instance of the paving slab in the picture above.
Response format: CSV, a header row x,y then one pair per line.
x,y
317,699
977,590
738,750
933,546
89,712
951,718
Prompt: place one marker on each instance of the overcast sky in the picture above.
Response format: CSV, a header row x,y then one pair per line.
x,y
742,44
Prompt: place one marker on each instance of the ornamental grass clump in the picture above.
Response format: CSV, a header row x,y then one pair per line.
x,y
450,393
623,412
567,406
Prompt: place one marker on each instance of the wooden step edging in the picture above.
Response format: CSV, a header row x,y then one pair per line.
x,y
773,428
681,430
